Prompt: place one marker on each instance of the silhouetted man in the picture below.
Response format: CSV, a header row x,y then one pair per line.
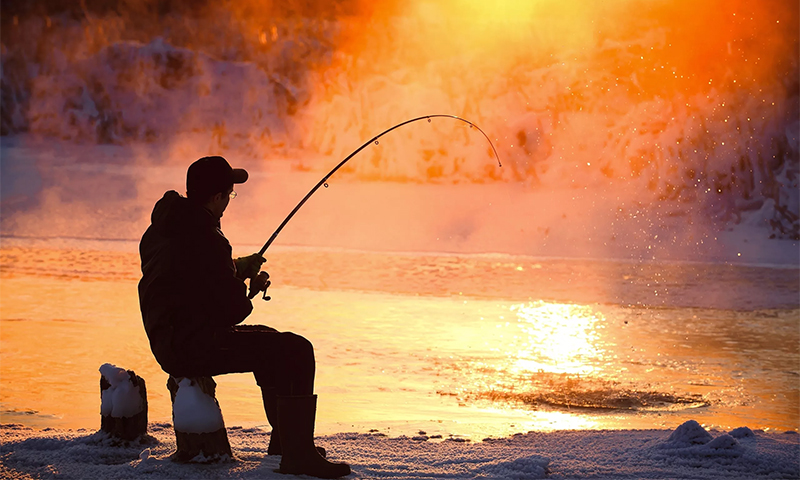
x,y
192,297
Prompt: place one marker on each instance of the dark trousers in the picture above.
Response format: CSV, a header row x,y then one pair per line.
x,y
282,362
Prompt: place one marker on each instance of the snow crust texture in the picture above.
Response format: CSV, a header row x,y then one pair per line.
x,y
641,454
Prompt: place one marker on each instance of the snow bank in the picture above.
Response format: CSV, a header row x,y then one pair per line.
x,y
130,91
559,455
194,411
690,446
122,398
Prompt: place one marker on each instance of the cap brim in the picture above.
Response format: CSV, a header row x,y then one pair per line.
x,y
240,175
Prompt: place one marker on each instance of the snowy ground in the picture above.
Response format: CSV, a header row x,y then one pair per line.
x,y
688,452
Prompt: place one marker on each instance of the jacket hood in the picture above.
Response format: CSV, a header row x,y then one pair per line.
x,y
175,213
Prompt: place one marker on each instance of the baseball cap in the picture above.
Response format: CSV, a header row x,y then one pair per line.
x,y
211,175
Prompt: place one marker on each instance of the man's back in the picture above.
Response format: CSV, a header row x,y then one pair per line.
x,y
188,291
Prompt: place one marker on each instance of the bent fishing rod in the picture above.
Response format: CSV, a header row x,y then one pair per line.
x,y
324,180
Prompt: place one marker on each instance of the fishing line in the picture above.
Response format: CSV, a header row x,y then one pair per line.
x,y
324,180
362,147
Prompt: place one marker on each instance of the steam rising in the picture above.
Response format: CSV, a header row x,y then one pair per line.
x,y
630,120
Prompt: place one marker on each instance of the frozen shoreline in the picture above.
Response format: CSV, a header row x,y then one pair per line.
x,y
687,452
783,256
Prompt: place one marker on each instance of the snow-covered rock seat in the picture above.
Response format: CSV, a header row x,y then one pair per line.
x,y
123,403
197,419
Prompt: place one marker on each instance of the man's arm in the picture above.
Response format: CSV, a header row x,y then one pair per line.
x,y
247,267
226,293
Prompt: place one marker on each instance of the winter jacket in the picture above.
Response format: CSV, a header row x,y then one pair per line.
x,y
188,293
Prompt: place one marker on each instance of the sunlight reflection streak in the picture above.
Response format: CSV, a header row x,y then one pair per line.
x,y
557,338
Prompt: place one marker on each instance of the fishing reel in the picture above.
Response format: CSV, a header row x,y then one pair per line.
x,y
254,289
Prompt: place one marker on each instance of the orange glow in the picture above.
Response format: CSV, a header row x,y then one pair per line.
x,y
617,114
471,27
560,85
636,102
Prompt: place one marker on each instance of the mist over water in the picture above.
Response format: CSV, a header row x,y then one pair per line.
x,y
613,121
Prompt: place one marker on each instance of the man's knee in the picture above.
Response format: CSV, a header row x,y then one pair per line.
x,y
297,346
292,359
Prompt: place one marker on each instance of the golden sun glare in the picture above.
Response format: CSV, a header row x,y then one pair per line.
x,y
557,338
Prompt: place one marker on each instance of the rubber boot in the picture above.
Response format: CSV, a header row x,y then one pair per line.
x,y
271,408
296,416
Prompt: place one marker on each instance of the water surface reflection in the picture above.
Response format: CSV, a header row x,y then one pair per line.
x,y
402,361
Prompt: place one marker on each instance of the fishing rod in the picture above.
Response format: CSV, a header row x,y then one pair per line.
x,y
324,181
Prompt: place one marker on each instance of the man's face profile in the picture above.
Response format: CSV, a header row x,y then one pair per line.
x,y
219,202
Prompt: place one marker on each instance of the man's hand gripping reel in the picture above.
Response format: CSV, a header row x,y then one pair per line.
x,y
259,283
247,267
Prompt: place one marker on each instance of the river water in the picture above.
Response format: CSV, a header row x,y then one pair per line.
x,y
462,345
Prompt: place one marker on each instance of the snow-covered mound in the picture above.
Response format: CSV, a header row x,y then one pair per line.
x,y
194,411
566,454
122,398
687,435
134,92
736,453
